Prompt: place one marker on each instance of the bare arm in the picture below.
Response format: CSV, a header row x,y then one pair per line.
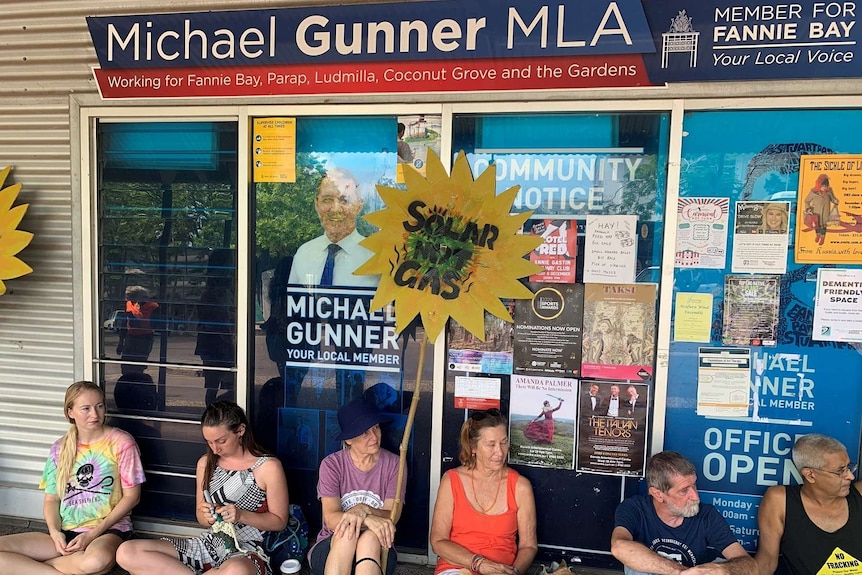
x,y
270,478
770,522
639,557
441,528
383,512
528,544
351,522
51,512
203,509
739,562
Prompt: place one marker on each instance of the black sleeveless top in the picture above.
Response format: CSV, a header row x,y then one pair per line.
x,y
808,550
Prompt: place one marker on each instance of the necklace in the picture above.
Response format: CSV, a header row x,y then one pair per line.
x,y
476,494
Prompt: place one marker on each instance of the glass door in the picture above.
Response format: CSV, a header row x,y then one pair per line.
x,y
317,345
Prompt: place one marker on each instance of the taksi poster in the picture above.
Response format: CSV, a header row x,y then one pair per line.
x,y
619,331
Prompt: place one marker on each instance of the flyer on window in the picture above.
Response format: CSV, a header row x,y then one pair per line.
x,y
692,317
494,355
477,392
416,135
723,381
548,330
610,249
558,251
542,421
760,237
612,427
619,331
701,233
829,209
750,310
838,305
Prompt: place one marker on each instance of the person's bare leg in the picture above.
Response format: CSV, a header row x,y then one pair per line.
x,y
149,556
98,558
368,548
342,552
236,566
26,553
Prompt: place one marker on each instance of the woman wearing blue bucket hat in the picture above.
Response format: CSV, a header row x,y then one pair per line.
x,y
356,488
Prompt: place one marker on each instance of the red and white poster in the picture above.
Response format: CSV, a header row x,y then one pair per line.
x,y
558,252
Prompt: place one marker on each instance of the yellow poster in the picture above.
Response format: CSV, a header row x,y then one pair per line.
x,y
692,318
829,210
273,154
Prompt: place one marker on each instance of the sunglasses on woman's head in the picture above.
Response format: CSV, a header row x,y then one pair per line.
x,y
480,415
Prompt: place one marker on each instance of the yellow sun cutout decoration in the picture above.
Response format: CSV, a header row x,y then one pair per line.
x,y
12,240
448,247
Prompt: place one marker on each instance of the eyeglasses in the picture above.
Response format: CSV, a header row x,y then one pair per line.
x,y
480,415
840,472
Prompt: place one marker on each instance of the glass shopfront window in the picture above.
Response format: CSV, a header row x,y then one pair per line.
x,y
568,167
167,276
317,344
801,381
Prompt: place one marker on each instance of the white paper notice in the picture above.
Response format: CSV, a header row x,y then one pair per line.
x,y
477,392
838,305
723,381
610,249
701,233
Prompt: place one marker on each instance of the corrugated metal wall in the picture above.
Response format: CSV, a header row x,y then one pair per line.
x,y
45,56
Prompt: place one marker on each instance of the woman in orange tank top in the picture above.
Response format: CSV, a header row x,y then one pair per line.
x,y
485,516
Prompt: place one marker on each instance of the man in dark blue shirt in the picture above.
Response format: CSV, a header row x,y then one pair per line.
x,y
669,531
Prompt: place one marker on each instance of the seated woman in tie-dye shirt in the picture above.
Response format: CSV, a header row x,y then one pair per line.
x,y
92,480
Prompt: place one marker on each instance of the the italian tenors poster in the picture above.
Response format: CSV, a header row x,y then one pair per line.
x,y
612,422
542,421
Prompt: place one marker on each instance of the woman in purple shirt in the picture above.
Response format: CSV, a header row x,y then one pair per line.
x,y
357,491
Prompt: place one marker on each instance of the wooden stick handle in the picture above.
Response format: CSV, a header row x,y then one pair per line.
x,y
405,441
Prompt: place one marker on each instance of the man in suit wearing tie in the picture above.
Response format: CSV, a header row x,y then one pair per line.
x,y
613,404
592,403
329,259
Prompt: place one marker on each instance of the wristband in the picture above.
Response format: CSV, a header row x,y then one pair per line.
x,y
477,560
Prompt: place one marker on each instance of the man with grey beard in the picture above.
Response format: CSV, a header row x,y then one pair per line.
x,y
669,531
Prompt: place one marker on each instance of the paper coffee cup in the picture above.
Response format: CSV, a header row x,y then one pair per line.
x,y
291,566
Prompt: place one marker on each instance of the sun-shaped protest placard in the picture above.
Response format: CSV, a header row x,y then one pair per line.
x,y
448,247
12,240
